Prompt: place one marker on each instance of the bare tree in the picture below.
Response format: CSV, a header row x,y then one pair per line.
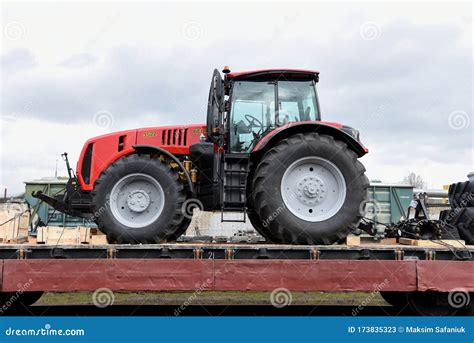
x,y
415,180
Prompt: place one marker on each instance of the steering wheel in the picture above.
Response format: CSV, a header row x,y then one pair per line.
x,y
252,120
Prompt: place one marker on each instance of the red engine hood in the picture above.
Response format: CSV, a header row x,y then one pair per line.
x,y
108,148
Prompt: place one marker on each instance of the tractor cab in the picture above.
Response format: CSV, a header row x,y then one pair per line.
x,y
258,102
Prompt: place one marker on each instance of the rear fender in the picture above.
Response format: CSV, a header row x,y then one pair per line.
x,y
330,129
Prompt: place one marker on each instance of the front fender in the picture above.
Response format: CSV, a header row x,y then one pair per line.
x,y
330,129
150,149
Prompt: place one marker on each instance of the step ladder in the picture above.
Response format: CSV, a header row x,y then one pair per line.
x,y
234,185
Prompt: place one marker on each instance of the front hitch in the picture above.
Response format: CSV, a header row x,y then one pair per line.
x,y
59,203
74,201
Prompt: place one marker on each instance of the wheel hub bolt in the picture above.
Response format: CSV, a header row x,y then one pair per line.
x,y
138,200
310,190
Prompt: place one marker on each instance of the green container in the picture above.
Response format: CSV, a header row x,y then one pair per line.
x,y
388,203
52,186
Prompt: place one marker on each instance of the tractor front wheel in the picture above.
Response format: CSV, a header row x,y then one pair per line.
x,y
308,189
138,199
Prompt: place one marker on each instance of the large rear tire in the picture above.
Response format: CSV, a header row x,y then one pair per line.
x,y
138,199
308,189
460,194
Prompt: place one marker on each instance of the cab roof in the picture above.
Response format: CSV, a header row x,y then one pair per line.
x,y
274,73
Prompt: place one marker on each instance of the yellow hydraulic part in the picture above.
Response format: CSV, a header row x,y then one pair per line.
x,y
187,165
194,175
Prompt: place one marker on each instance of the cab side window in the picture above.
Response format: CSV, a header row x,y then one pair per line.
x,y
252,112
296,102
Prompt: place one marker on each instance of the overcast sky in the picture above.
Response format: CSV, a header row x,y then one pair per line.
x,y
400,73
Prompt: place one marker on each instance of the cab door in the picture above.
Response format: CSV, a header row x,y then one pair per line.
x,y
215,106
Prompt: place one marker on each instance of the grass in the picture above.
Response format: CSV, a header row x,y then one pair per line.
x,y
215,298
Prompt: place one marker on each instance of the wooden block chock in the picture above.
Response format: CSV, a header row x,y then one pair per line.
x,y
55,235
388,241
353,240
98,240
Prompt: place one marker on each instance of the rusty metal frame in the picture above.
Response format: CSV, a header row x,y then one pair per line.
x,y
68,275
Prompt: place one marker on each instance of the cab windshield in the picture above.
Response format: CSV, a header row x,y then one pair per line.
x,y
260,106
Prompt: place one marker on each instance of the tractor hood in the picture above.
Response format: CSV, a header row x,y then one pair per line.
x,y
101,151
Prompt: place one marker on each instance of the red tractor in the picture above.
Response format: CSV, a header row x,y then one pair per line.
x,y
264,152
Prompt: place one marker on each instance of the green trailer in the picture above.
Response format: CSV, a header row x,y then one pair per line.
x,y
388,203
51,186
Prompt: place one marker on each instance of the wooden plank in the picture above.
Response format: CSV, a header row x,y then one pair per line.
x,y
62,236
98,240
96,231
352,240
388,241
9,230
56,235
24,221
19,240
41,234
84,234
383,241
432,244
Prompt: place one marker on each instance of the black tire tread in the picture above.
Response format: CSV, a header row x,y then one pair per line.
x,y
461,194
275,231
170,229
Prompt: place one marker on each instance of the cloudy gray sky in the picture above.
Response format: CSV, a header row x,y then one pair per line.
x,y
401,73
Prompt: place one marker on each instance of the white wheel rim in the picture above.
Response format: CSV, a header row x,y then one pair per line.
x,y
137,200
313,189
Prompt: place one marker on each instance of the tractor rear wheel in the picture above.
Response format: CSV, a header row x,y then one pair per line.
x,y
138,199
308,189
261,229
461,194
